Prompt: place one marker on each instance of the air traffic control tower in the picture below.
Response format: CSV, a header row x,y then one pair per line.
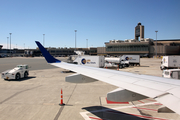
x,y
139,32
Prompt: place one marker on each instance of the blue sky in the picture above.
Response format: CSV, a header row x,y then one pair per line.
x,y
96,20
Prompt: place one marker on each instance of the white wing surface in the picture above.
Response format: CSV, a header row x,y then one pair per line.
x,y
164,90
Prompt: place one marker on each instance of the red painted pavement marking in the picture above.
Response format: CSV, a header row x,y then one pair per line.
x,y
140,101
144,108
158,103
97,118
154,101
111,102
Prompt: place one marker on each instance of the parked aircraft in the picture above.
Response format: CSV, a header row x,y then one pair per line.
x,y
131,86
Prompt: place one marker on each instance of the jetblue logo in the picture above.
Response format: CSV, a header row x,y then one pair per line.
x,y
83,61
127,58
88,61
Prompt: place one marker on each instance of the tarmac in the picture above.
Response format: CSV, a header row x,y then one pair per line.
x,y
38,96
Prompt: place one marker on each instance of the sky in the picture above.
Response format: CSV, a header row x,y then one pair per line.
x,y
96,20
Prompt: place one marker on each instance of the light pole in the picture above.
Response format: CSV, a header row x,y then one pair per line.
x,y
75,38
87,43
10,43
43,39
24,48
156,43
7,41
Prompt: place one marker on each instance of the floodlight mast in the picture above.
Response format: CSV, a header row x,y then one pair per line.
x,y
75,38
7,41
156,43
10,43
87,43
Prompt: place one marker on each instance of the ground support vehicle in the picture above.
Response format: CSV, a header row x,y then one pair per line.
x,y
133,59
108,64
94,61
170,62
171,73
20,71
117,62
123,64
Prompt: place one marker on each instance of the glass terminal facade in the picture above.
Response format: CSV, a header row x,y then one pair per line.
x,y
128,48
136,47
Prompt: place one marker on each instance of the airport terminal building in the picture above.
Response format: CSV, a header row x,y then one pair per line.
x,y
118,47
146,47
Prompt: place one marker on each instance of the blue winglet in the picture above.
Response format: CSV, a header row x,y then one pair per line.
x,y
49,58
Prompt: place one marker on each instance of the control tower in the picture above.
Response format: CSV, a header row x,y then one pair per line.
x,y
139,32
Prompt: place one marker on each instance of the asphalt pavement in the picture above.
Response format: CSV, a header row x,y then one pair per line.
x,y
38,96
35,63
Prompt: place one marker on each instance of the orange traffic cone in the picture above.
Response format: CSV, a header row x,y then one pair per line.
x,y
61,102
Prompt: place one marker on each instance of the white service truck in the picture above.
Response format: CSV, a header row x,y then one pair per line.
x,y
124,61
133,59
94,61
171,73
170,62
109,64
115,62
20,71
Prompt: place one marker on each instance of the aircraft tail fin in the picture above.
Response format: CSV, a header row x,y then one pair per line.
x,y
49,58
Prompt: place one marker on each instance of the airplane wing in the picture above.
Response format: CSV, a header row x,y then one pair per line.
x,y
164,90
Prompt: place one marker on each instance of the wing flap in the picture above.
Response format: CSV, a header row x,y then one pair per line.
x,y
170,101
175,92
154,85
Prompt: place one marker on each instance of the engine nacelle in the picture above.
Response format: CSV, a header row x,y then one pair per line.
x,y
123,95
78,78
